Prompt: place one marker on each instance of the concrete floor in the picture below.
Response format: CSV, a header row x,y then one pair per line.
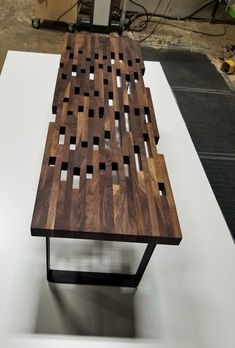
x,y
16,33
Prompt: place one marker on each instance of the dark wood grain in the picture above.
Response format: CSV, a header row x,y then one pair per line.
x,y
105,120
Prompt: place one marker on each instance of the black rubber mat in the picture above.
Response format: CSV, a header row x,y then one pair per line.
x,y
210,119
187,69
221,175
208,108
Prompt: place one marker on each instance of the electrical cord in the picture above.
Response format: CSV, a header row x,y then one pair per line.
x,y
154,12
64,13
146,14
183,28
158,23
188,16
197,31
143,24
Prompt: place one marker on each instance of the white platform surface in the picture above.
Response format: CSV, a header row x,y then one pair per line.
x,y
186,297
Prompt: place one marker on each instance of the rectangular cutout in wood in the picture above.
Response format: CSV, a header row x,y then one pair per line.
x,y
76,178
126,115
64,171
126,161
76,90
147,145
101,112
112,57
156,141
72,145
96,141
138,161
91,112
128,88
136,77
107,139
161,189
119,81
92,73
118,78
147,114
62,135
102,166
52,161
110,98
89,172
74,70
137,111
117,129
115,179
120,57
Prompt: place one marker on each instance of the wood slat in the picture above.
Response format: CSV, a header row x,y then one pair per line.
x,y
101,176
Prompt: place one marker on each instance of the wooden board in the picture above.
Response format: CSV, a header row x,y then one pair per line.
x,y
53,9
101,176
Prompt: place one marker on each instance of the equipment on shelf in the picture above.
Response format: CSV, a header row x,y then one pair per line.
x,y
94,15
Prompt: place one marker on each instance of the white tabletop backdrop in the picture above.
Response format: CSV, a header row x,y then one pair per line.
x,y
186,296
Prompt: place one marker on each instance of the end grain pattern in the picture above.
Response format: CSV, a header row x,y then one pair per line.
x,y
101,176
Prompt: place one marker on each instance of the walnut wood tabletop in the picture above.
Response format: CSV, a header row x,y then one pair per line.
x,y
101,176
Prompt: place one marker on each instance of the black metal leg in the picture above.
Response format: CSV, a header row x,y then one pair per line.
x,y
144,262
48,256
98,278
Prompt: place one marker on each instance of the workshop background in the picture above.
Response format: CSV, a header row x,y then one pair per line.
x,y
191,39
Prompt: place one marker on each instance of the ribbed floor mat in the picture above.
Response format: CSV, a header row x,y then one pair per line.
x,y
186,69
221,175
210,119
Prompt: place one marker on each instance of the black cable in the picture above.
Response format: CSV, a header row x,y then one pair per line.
x,y
130,20
143,24
146,13
158,23
64,13
201,7
152,15
197,31
139,5
188,16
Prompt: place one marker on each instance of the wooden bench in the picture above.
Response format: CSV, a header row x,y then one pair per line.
x,y
101,175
